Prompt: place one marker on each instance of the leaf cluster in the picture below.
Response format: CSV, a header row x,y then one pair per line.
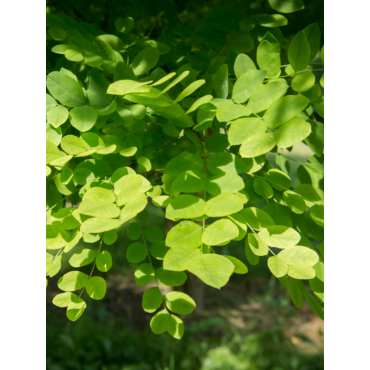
x,y
193,124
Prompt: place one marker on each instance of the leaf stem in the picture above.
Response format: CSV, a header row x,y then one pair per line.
x,y
151,263
92,270
257,235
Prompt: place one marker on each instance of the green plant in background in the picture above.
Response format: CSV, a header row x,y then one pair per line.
x,y
186,122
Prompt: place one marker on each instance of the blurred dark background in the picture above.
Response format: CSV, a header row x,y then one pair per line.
x,y
250,324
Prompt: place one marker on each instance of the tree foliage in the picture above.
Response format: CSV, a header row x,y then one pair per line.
x,y
188,122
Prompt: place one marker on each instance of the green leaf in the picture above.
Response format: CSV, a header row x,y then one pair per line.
x,y
263,188
72,145
98,208
71,281
96,287
124,25
65,89
317,214
217,143
247,24
306,225
256,218
184,162
83,118
50,103
251,257
171,278
185,206
128,186
220,163
158,250
185,233
178,79
54,135
83,176
133,231
257,246
279,214
300,271
283,163
100,225
75,237
229,112
239,221
122,185
56,237
239,266
104,261
82,258
76,309
57,116
299,255
213,269
224,183
57,33
278,179
161,201
153,234
124,87
246,84
277,266
296,293
177,258
144,274
220,232
270,20
52,152
280,236
189,90
284,109
303,81
124,72
220,82
110,237
314,93
319,106
268,58
67,218
223,205
136,252
286,6
65,299
158,323
189,182
265,95
244,128
292,132
294,201
313,35
257,145
152,299
145,60
243,63
299,52
164,79
199,102
242,44
97,192
179,303
317,284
